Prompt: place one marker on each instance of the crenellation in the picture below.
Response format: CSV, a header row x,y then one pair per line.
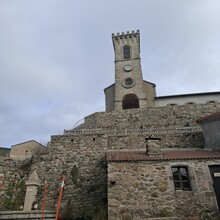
x,y
125,34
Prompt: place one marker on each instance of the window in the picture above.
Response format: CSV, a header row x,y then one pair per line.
x,y
181,178
126,52
129,82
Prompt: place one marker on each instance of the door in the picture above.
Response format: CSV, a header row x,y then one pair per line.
x,y
215,172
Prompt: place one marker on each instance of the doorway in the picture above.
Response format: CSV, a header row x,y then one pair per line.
x,y
215,173
130,101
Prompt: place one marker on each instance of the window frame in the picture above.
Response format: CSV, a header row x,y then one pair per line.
x,y
178,181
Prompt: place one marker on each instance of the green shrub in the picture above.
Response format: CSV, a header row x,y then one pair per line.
x,y
165,213
14,196
74,174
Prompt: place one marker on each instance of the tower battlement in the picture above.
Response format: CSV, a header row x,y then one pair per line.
x,y
126,34
127,38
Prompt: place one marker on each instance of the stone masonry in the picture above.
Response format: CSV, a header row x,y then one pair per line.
x,y
142,190
130,190
84,150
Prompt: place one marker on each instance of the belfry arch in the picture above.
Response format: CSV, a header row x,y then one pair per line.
x,y
130,101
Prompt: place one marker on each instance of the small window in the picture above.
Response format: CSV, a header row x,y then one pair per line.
x,y
181,178
129,82
190,103
211,102
126,52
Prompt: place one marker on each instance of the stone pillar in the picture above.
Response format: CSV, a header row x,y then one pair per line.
x,y
31,191
153,147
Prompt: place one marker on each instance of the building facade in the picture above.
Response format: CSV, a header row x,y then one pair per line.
x,y
130,90
25,150
142,158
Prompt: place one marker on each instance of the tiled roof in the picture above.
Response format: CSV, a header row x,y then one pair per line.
x,y
214,115
116,156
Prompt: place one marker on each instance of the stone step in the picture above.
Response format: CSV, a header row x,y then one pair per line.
x,y
31,215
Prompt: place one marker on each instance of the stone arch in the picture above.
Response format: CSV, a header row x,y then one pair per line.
x,y
130,101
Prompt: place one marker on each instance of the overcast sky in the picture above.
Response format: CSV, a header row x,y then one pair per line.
x,y
56,57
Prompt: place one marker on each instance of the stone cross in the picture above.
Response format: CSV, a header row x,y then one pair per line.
x,y
31,191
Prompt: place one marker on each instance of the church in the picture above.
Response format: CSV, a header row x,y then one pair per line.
x,y
160,180
130,90
144,157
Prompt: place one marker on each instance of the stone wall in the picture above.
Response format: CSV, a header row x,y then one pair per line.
x,y
86,149
167,116
140,190
80,154
13,175
25,150
82,160
109,98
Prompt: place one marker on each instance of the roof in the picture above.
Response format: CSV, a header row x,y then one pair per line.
x,y
207,117
109,86
26,142
120,156
153,84
189,94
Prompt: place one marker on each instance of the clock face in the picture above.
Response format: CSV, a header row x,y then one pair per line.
x,y
127,68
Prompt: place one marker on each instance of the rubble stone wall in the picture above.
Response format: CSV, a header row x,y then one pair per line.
x,y
154,117
142,190
81,157
13,175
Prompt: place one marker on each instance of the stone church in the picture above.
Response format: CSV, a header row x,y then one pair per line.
x,y
130,90
145,157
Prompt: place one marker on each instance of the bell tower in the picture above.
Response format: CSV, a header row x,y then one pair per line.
x,y
129,90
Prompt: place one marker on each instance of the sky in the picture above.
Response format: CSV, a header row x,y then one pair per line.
x,y
56,57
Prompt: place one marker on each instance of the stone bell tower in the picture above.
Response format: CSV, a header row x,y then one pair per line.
x,y
130,90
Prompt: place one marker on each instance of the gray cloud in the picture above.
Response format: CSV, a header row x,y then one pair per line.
x,y
56,57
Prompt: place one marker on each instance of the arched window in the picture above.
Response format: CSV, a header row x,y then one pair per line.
x,y
130,101
126,52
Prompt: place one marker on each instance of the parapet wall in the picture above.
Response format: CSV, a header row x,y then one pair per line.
x,y
166,116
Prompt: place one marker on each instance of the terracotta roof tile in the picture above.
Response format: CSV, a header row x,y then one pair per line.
x,y
114,156
207,117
